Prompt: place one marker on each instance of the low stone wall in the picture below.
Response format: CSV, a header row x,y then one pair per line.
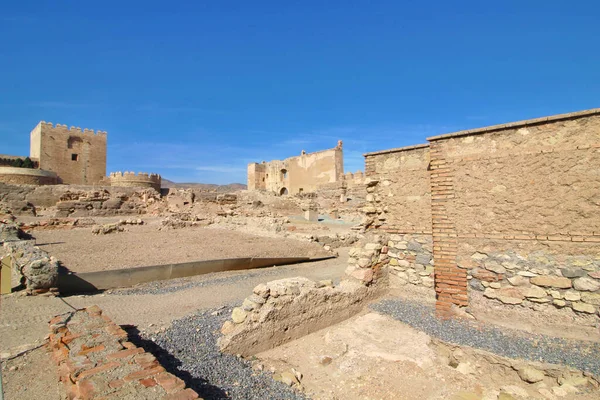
x,y
283,310
96,361
27,176
536,279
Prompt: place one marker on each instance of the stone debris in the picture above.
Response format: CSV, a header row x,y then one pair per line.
x,y
107,228
33,268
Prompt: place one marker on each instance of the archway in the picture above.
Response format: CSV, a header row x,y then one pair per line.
x,y
283,191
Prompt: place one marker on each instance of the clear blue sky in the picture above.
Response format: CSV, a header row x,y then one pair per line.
x,y
194,90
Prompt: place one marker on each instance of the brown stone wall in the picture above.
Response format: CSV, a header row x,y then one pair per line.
x,y
26,176
256,176
515,207
131,179
77,157
301,174
399,194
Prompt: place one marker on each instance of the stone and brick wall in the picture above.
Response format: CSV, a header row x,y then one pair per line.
x,y
131,179
76,156
518,206
96,361
512,209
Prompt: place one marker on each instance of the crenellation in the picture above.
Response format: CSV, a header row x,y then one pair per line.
x,y
131,179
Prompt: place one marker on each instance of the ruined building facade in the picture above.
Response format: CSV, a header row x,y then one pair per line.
x,y
75,156
302,174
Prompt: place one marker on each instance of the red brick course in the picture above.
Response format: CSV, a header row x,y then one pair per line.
x,y
95,361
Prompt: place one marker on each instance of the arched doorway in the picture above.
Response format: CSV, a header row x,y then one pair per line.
x,y
283,191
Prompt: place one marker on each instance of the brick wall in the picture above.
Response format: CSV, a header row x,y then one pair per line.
x,y
96,361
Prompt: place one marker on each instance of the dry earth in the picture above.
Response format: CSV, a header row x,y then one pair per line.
x,y
147,245
372,356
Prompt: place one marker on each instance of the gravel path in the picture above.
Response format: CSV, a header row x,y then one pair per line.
x,y
509,343
188,349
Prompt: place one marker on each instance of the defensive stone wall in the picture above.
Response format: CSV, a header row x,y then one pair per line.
x,y
130,179
76,156
27,176
512,210
301,174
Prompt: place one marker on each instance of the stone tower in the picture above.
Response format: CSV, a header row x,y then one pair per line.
x,y
77,157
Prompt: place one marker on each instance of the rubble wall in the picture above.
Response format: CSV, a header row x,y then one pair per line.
x,y
398,190
79,200
516,212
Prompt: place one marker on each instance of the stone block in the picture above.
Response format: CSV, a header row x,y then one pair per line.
x,y
311,215
552,281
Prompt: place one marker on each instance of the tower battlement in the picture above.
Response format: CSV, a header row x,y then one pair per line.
x,y
73,130
131,179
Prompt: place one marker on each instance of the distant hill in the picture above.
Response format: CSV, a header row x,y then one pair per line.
x,y
232,187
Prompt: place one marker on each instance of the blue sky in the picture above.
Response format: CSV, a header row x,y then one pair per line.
x,y
195,90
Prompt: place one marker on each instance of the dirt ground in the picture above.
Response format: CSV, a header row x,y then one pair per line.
x,y
372,356
81,251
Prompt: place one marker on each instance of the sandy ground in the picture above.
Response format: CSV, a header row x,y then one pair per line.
x,y
81,251
372,356
151,307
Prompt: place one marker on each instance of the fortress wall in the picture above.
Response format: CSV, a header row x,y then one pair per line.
x,y
130,179
76,156
304,173
27,176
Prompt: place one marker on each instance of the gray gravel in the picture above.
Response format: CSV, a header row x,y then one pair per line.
x,y
509,343
188,350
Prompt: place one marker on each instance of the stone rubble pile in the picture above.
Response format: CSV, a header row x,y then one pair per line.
x,y
32,267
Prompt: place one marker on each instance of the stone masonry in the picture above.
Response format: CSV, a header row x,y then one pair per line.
x,y
301,174
76,156
512,209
